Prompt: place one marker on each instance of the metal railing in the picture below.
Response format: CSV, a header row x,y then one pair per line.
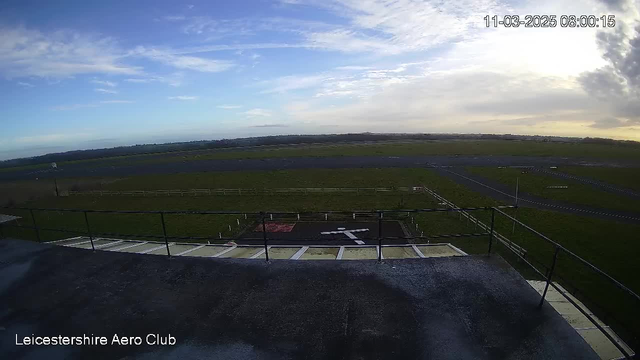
x,y
246,191
558,249
263,217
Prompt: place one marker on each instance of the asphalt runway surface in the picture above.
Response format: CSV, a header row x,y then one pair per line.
x,y
504,193
303,233
80,170
467,307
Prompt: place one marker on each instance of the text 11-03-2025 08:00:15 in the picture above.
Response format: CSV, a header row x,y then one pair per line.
x,y
551,21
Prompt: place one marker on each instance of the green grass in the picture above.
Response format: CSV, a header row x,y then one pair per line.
x,y
274,179
536,184
608,245
461,147
625,177
408,148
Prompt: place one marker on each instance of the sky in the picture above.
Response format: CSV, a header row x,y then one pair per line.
x,y
94,74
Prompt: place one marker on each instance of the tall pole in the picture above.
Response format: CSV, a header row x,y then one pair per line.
x,y
86,220
264,237
164,233
55,181
515,215
493,219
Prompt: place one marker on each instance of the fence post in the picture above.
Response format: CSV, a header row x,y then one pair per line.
x,y
86,220
553,265
164,232
493,218
33,218
264,236
379,236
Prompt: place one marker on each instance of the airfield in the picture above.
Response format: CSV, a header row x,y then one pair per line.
x,y
587,201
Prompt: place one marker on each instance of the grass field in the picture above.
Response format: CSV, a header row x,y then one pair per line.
x,y
536,184
608,245
462,147
624,177
449,147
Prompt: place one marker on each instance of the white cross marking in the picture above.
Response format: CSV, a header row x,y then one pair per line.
x,y
349,234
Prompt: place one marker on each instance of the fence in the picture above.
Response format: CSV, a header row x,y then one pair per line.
x,y
276,191
549,276
263,217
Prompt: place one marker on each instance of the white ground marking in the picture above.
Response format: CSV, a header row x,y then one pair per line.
x,y
223,252
297,255
78,243
349,234
72,238
190,250
415,248
128,246
259,253
155,248
340,253
108,244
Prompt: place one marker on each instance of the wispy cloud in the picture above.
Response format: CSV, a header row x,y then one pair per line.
x,y
183,97
228,107
105,91
25,52
257,112
270,126
194,63
117,102
175,79
89,105
25,84
104,83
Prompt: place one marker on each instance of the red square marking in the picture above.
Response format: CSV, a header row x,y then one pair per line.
x,y
275,227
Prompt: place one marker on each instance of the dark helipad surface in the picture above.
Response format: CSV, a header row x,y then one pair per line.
x,y
437,308
307,232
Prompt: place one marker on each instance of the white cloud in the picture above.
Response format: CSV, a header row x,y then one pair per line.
x,y
49,138
183,97
167,57
105,91
89,105
175,79
257,112
229,107
58,54
117,102
25,84
104,83
289,83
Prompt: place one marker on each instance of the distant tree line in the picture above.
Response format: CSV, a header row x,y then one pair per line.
x,y
283,140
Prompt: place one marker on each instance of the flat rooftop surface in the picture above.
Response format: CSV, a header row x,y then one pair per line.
x,y
468,307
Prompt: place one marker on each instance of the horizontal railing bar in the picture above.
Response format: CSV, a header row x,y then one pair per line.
x,y
260,213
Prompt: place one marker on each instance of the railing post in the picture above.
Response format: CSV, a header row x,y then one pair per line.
x,y
546,287
493,218
164,232
379,236
33,218
86,220
264,236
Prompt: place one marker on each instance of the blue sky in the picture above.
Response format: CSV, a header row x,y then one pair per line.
x,y
87,74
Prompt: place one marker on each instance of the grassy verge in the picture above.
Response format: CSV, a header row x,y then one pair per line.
x,y
407,148
625,177
577,193
462,147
